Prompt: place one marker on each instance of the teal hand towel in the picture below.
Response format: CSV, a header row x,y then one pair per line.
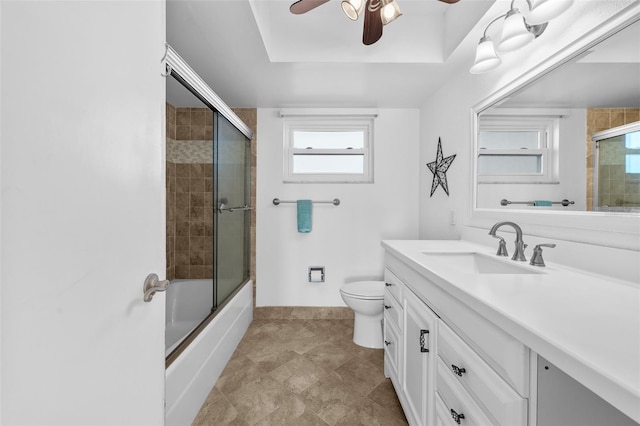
x,y
304,215
543,203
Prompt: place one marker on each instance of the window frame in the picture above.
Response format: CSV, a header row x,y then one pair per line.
x,y
548,130
328,124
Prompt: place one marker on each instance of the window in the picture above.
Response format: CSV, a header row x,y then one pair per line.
x,y
632,158
328,149
516,149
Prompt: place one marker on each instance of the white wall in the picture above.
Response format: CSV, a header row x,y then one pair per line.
x,y
447,112
345,239
82,171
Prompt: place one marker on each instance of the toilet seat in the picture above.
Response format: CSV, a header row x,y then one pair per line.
x,y
368,290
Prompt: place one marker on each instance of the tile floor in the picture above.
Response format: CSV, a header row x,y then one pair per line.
x,y
302,372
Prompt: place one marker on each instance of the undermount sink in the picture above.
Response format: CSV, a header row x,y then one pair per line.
x,y
477,263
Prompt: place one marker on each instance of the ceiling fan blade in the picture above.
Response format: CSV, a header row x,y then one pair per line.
x,y
303,6
372,25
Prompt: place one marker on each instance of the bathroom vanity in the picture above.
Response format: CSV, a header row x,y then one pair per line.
x,y
476,339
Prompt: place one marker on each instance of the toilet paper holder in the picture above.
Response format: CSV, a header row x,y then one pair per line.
x,y
316,274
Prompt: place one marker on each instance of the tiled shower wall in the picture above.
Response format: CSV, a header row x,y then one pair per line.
x,y
189,174
599,119
189,193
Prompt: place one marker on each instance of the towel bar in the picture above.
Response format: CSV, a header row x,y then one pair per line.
x,y
564,202
335,201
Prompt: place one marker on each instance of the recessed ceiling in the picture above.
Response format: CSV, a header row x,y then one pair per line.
x,y
255,53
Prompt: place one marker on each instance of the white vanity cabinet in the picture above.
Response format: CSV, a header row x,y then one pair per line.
x,y
493,338
440,376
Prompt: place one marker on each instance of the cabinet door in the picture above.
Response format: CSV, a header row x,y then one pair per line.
x,y
420,337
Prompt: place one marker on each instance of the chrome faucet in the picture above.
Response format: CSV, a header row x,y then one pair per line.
x,y
520,245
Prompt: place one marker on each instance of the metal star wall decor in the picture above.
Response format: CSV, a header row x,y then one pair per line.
x,y
439,169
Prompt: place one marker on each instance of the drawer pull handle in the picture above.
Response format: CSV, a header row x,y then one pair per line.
x,y
456,417
387,307
387,343
388,284
422,340
458,370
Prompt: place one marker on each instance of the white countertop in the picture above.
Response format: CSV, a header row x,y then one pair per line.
x,y
586,324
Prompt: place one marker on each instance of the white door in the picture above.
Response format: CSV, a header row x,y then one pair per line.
x,y
82,177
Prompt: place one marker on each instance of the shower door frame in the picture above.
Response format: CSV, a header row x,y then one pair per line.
x,y
178,68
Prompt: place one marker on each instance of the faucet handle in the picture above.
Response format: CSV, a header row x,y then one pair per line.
x,y
536,258
502,246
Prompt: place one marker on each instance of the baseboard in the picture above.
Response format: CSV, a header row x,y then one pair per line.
x,y
302,312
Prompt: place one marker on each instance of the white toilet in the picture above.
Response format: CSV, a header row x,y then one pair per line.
x,y
366,298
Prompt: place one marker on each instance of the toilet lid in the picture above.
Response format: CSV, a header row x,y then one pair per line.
x,y
364,289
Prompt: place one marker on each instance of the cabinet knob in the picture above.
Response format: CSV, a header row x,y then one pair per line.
x,y
458,370
387,307
388,284
456,417
387,343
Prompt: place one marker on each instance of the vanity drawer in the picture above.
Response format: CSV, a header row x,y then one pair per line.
x,y
393,284
443,415
392,310
464,365
458,401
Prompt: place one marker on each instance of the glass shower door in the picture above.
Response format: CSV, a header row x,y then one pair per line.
x,y
231,176
617,172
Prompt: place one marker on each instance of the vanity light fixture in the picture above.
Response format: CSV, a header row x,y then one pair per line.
x,y
517,31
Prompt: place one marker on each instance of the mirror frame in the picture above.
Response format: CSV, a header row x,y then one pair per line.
x,y
618,230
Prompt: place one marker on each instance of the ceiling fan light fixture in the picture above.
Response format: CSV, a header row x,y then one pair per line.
x,y
542,11
515,32
389,11
352,8
486,57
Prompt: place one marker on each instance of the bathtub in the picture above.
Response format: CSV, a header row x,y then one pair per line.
x,y
188,303
192,375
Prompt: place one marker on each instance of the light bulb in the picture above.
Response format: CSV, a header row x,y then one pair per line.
x,y
390,11
352,8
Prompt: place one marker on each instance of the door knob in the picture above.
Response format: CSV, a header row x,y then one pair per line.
x,y
152,285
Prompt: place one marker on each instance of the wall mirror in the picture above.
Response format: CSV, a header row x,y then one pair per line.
x,y
534,150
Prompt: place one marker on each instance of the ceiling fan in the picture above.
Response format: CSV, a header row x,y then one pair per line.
x,y
377,13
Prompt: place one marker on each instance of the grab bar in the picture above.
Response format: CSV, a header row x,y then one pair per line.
x,y
335,201
564,202
222,208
